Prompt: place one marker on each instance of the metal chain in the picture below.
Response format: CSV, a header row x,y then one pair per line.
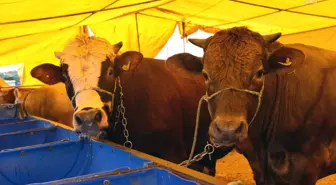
x,y
122,110
117,117
208,150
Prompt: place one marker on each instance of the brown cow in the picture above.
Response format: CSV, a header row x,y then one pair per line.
x,y
48,102
279,97
160,106
3,93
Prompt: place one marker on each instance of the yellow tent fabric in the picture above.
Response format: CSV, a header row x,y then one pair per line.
x,y
323,38
32,30
153,33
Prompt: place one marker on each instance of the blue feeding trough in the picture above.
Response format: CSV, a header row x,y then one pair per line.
x,y
8,111
35,151
35,137
15,120
63,160
157,176
23,125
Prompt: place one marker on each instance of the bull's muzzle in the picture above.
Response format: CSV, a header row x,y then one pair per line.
x,y
88,116
89,119
227,131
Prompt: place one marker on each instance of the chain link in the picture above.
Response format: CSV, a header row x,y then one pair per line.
x,y
208,150
117,117
121,111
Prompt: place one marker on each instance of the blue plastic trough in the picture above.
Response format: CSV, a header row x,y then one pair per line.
x,y
139,177
23,126
34,151
34,137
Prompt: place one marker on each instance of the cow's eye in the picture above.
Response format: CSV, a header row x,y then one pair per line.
x,y
110,71
205,75
260,73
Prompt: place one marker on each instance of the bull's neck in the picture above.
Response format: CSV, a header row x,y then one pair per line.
x,y
265,123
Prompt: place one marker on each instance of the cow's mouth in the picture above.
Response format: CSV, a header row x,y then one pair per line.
x,y
91,131
220,144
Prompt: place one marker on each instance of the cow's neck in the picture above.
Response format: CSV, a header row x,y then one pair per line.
x,y
273,110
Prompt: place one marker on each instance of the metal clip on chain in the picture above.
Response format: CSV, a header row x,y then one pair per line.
x,y
208,150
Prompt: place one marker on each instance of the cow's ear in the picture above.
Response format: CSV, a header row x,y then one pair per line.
x,y
284,58
127,61
47,73
185,61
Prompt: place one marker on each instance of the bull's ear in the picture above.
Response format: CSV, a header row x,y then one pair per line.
x,y
272,37
186,61
127,61
47,73
284,57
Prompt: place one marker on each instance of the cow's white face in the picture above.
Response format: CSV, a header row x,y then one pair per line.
x,y
88,65
83,59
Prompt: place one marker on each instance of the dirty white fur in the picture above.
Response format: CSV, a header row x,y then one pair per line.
x,y
84,56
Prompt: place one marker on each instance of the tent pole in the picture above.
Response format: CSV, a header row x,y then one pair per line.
x,y
183,35
137,30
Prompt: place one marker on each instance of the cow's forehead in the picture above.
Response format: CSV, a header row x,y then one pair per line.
x,y
90,50
228,51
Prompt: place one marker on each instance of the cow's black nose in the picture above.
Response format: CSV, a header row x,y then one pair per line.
x,y
88,115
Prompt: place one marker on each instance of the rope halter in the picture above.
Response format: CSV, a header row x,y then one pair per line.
x,y
207,98
73,98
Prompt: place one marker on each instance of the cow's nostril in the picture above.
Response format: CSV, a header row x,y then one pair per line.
x,y
78,120
98,116
240,128
217,127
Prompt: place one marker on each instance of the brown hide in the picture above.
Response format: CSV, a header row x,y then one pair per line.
x,y
192,88
49,102
292,140
4,97
161,112
160,106
301,96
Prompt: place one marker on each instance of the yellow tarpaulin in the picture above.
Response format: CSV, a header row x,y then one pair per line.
x,y
30,31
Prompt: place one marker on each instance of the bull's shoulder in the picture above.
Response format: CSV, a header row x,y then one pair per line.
x,y
185,61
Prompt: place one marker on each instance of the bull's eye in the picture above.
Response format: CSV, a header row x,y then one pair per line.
x,y
110,71
205,75
259,73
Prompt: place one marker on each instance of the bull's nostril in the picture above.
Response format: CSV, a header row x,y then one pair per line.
x,y
240,128
87,108
98,116
78,120
216,128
